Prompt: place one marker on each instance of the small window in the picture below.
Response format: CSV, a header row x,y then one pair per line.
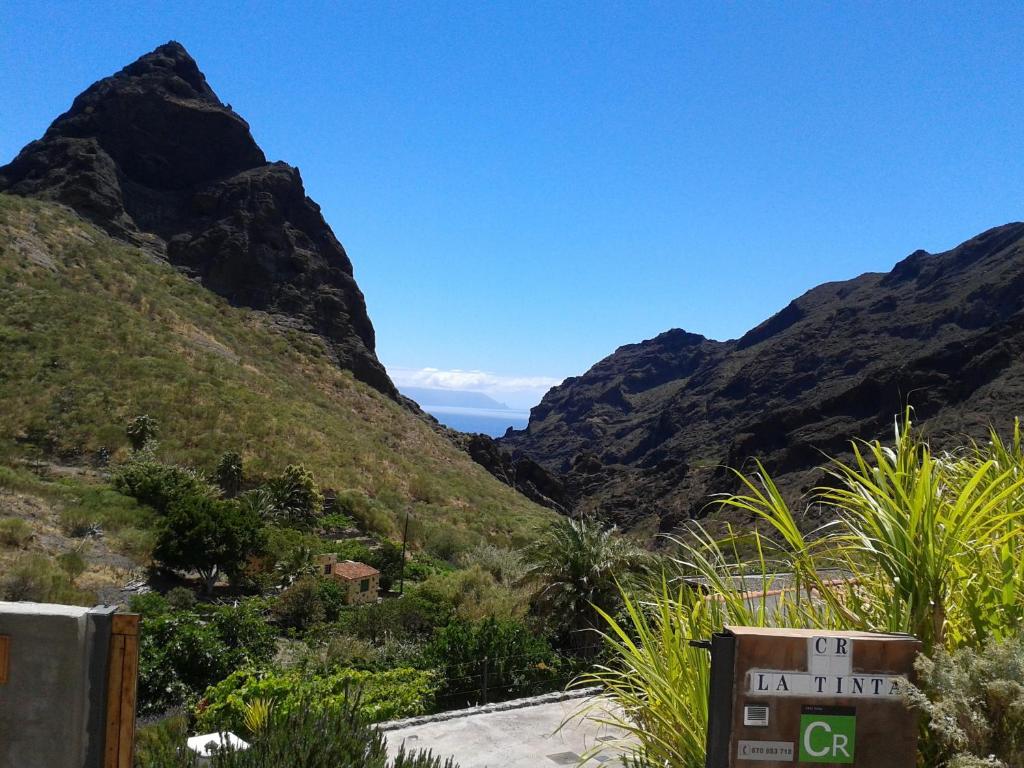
x,y
327,568
364,585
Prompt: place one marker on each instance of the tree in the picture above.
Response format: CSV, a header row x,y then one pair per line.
x,y
577,567
297,499
141,430
229,473
207,535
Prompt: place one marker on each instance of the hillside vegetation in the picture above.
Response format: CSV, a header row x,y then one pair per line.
x,y
94,332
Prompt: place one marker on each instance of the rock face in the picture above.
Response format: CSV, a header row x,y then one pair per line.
x,y
648,430
152,155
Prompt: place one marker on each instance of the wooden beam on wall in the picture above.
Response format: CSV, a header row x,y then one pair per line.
x,y
122,680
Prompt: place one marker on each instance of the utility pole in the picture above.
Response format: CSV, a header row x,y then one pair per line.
x,y
405,538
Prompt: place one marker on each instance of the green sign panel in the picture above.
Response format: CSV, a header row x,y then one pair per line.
x,y
827,734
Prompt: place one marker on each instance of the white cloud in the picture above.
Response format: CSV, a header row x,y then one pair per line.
x,y
518,391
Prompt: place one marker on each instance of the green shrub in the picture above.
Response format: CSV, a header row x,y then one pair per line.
x,y
181,599
182,653
14,532
72,563
141,431
157,484
491,660
78,523
974,701
300,606
303,734
382,695
37,578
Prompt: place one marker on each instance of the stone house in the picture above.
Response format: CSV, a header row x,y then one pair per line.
x,y
361,581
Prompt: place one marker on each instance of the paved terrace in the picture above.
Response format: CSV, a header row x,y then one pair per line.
x,y
522,734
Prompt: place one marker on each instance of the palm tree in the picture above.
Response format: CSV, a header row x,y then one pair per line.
x,y
577,567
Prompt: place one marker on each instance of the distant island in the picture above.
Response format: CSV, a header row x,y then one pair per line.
x,y
452,398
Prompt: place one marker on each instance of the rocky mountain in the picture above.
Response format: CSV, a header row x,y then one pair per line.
x,y
153,157
647,432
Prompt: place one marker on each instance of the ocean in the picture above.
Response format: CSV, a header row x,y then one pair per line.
x,y
490,421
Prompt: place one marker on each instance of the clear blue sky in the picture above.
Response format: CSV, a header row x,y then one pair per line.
x,y
522,187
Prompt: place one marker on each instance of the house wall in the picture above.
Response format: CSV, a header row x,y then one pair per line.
x,y
53,703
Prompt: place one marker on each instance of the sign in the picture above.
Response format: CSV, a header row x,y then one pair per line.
x,y
777,751
830,673
827,734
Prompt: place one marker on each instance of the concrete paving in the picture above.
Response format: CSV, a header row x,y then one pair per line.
x,y
525,737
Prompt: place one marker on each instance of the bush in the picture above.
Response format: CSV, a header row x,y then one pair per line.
x,y
14,532
141,431
974,701
382,695
181,599
157,484
301,735
72,563
472,594
182,653
299,607
39,579
491,660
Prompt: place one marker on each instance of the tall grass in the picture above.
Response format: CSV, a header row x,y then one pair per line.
x,y
929,544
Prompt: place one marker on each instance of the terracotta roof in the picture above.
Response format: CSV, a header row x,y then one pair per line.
x,y
350,569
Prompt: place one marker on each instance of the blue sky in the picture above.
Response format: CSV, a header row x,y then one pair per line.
x,y
523,187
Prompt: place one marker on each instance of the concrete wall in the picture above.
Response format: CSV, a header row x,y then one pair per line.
x,y
52,708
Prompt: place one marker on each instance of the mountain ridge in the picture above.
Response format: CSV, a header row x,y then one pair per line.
x,y
648,431
151,155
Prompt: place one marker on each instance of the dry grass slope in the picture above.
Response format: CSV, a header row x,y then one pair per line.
x,y
94,332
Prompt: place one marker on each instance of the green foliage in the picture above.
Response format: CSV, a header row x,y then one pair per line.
x,y
507,566
656,686
37,578
297,498
149,605
305,735
576,567
181,599
300,607
72,563
974,701
207,535
413,617
382,695
229,473
158,484
473,594
181,653
491,660
14,532
141,431
289,553
932,545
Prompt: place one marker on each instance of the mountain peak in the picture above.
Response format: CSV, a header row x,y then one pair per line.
x,y
170,60
152,155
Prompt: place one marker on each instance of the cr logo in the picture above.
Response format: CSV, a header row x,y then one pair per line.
x,y
827,734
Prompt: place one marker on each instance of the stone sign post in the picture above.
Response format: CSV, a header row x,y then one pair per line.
x,y
790,696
